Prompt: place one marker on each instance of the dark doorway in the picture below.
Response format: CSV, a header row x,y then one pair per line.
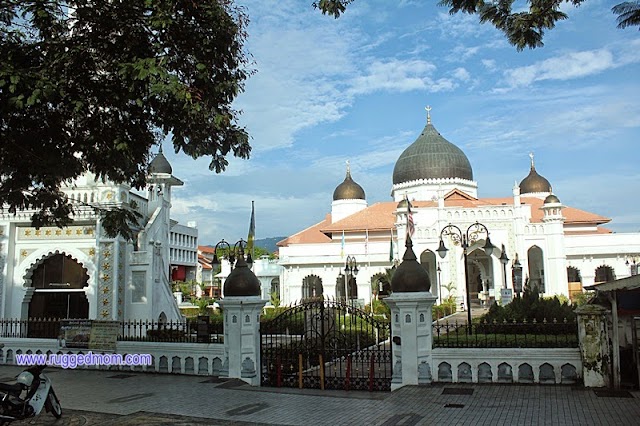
x,y
59,283
58,305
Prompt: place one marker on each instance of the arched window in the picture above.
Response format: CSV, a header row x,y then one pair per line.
x,y
604,274
275,288
536,268
575,281
311,286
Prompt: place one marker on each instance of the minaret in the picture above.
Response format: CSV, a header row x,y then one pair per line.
x,y
556,260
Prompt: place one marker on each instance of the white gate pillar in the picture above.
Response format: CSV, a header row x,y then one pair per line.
x,y
242,308
594,345
411,304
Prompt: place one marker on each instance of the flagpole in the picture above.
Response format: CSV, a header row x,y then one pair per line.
x,y
252,232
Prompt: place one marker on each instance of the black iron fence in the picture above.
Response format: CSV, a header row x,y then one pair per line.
x,y
532,334
326,344
193,330
47,328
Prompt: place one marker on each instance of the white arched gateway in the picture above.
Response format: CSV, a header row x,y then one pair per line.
x,y
57,284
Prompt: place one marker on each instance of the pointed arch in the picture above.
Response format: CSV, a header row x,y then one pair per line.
x,y
574,280
429,262
381,284
275,287
604,273
312,286
535,257
35,302
38,257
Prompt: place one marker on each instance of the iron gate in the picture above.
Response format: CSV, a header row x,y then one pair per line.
x,y
326,344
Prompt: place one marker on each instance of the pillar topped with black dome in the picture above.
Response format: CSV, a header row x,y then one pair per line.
x,y
241,282
410,276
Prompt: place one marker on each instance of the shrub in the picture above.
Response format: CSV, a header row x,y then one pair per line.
x,y
379,308
529,307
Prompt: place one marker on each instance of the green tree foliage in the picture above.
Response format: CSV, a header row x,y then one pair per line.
x,y
628,14
92,85
523,22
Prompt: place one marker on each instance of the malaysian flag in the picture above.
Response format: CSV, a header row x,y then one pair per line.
x,y
411,227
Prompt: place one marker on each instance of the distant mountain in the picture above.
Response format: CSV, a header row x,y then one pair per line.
x,y
268,244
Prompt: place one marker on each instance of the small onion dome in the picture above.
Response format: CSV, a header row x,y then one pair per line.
x,y
348,189
551,199
160,164
403,204
410,276
241,281
534,182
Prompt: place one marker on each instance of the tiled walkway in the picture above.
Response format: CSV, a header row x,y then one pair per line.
x,y
124,398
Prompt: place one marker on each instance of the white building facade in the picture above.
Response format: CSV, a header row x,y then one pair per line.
x,y
559,249
78,271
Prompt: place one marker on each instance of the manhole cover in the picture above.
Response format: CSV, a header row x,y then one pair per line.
x,y
610,393
454,406
457,391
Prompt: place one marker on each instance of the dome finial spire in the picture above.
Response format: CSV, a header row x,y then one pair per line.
x,y
428,109
531,156
348,168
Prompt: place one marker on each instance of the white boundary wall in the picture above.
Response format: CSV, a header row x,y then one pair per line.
x,y
178,358
507,365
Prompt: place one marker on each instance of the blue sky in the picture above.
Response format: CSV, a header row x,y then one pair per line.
x,y
355,89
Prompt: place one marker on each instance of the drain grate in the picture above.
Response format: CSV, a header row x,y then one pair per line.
x,y
611,393
121,376
457,391
454,406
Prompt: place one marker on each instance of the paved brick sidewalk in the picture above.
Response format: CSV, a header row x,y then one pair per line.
x,y
92,397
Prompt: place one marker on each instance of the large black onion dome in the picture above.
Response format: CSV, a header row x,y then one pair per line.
x,y
241,281
534,182
431,157
410,276
348,189
160,164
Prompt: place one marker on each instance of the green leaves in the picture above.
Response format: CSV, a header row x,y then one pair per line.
x,y
95,93
524,28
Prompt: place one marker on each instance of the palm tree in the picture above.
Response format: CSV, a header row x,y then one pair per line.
x,y
628,13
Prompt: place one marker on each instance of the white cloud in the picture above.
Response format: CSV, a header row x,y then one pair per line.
x,y
569,66
393,75
461,74
489,64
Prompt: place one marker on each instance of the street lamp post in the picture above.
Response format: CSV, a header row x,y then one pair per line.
x,y
232,252
517,275
350,270
504,260
465,239
439,283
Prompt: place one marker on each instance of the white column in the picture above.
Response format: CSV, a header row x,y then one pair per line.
x,y
411,338
242,338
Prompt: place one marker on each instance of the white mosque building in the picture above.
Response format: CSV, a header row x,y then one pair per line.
x,y
538,240
79,272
